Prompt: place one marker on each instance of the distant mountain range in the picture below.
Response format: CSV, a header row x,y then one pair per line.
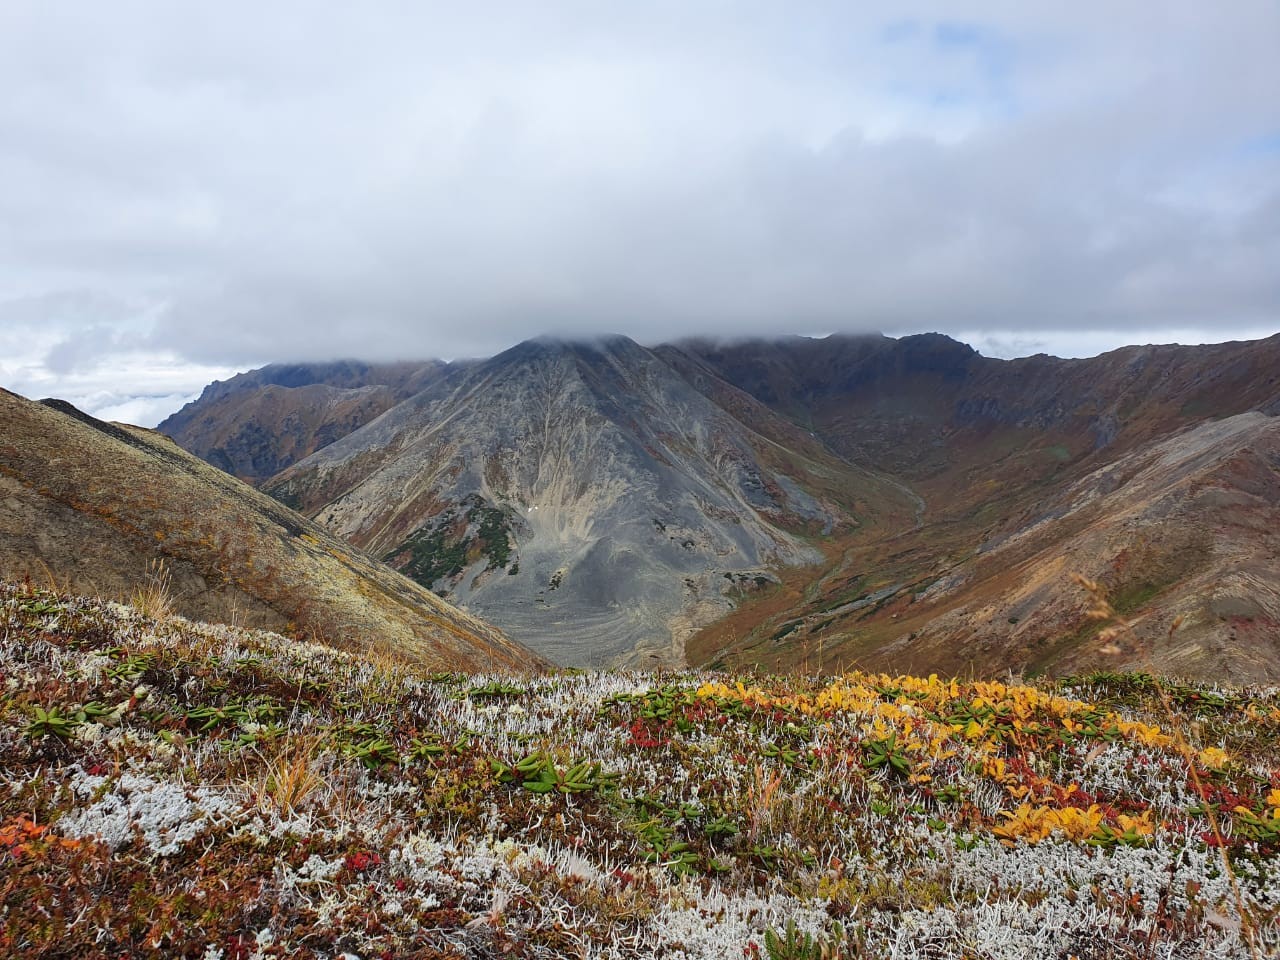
x,y
101,508
900,503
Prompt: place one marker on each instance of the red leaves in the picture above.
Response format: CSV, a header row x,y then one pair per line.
x,y
360,861
647,736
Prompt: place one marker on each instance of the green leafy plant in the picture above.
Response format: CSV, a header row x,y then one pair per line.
x,y
495,690
538,773
886,754
792,944
373,751
52,721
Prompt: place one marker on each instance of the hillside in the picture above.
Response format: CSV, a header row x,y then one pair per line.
x,y
997,452
936,413
170,789
107,509
1186,529
586,498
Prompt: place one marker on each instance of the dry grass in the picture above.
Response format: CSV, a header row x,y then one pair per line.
x,y
154,597
292,778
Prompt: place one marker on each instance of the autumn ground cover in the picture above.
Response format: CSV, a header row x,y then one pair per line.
x,y
177,789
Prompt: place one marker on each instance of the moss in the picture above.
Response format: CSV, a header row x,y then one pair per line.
x,y
431,556
786,629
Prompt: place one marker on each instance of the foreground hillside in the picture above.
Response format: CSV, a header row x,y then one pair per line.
x,y
109,509
173,789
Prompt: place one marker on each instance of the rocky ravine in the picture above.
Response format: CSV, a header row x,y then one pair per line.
x,y
92,507
585,497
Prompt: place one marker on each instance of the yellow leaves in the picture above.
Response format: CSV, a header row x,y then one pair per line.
x,y
1273,800
1213,758
1141,825
713,689
1031,824
1146,734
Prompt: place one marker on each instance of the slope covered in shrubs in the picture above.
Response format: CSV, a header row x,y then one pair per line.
x,y
177,789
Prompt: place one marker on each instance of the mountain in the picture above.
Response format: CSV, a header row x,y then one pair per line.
x,y
996,450
257,423
97,507
885,504
924,407
586,497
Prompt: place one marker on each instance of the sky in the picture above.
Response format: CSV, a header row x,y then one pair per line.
x,y
188,190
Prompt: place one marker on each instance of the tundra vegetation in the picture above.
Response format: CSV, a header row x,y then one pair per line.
x,y
177,789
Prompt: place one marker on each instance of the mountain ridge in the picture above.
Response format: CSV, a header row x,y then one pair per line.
x,y
920,454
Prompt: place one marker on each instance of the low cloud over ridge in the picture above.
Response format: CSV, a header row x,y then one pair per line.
x,y
243,184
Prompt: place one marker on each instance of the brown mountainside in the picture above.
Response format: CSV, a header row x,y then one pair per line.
x,y
1186,527
93,506
995,449
257,423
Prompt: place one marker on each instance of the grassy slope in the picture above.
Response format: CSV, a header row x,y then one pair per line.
x,y
98,506
175,789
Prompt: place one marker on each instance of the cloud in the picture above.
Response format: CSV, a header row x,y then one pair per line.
x,y
239,183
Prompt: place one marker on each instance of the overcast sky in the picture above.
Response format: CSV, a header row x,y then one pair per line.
x,y
191,189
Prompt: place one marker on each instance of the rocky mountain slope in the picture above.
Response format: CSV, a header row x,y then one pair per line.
x,y
96,507
869,472
585,497
257,423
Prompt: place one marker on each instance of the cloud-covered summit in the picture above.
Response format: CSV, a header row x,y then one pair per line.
x,y
232,184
